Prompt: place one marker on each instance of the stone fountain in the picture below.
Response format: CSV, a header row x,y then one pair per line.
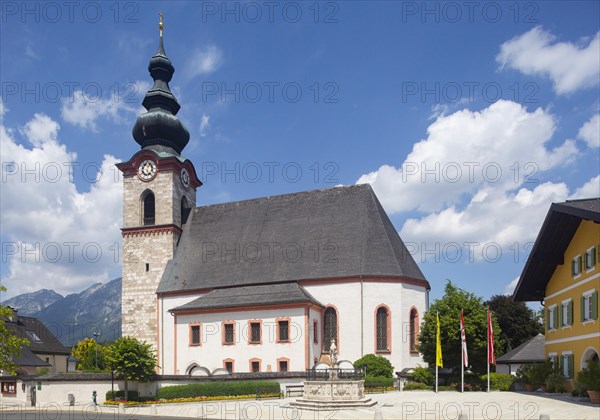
x,y
333,388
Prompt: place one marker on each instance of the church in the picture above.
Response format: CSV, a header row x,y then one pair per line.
x,y
261,285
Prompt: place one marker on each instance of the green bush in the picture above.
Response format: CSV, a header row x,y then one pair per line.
x,y
422,375
131,395
540,372
588,378
216,389
376,366
555,382
416,386
499,381
378,382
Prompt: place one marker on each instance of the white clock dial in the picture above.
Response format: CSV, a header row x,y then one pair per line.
x,y
147,170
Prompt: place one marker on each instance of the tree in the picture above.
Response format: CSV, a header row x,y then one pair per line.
x,y
133,359
517,321
91,355
376,365
10,342
449,308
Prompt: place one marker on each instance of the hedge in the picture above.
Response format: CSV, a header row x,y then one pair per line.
x,y
499,381
119,395
217,389
378,382
416,386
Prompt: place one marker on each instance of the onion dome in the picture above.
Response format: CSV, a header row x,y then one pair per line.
x,y
159,128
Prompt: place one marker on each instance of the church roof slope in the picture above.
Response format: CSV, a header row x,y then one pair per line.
x,y
327,233
266,294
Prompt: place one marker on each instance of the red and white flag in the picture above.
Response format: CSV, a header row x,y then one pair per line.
x,y
491,355
463,339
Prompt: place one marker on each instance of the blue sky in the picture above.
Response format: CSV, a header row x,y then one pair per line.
x,y
467,119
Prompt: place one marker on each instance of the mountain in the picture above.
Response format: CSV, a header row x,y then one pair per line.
x,y
74,317
31,303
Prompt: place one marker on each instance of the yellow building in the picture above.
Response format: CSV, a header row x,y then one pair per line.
x,y
563,272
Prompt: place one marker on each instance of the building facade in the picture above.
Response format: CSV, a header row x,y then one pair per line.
x,y
261,285
563,271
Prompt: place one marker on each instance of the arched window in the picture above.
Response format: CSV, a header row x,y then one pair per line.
x,y
330,328
148,208
382,319
185,210
414,329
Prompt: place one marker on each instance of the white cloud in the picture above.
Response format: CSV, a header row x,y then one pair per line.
x,y
84,110
590,132
590,189
204,61
50,231
510,287
502,146
204,124
570,66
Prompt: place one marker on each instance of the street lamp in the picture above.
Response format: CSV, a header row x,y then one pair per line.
x,y
96,335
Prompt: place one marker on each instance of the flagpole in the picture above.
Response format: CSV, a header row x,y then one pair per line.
x,y
462,353
488,349
437,342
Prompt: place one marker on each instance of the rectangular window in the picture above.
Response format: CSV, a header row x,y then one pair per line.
x,y
229,366
9,387
255,367
283,366
255,333
228,335
195,335
554,360
284,331
552,316
567,365
590,258
566,313
589,306
316,332
576,266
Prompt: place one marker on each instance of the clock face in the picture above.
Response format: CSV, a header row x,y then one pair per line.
x,y
185,178
147,170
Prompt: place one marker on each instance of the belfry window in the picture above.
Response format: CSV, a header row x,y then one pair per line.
x,y
149,211
329,328
414,329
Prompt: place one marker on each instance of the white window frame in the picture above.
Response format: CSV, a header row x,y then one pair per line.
x,y
551,310
587,300
564,313
592,253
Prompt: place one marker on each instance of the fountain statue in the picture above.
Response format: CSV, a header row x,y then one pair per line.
x,y
333,388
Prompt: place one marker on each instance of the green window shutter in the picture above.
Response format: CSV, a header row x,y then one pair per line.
x,y
593,256
570,360
573,268
560,315
582,308
547,319
556,317
580,261
595,305
570,313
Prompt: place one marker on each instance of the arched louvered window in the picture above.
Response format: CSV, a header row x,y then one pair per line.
x,y
330,327
382,329
414,329
185,210
148,207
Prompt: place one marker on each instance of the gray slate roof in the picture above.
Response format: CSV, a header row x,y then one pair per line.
x,y
268,294
327,233
41,339
27,358
530,351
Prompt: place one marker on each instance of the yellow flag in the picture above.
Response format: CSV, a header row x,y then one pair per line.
x,y
438,345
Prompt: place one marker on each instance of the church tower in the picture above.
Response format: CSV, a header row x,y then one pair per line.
x,y
159,189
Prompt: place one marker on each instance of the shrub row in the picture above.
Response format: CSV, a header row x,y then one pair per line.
x,y
499,381
378,382
131,395
214,389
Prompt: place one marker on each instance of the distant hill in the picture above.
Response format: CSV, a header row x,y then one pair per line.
x,y
97,309
31,303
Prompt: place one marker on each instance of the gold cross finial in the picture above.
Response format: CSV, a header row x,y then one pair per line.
x,y
161,25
